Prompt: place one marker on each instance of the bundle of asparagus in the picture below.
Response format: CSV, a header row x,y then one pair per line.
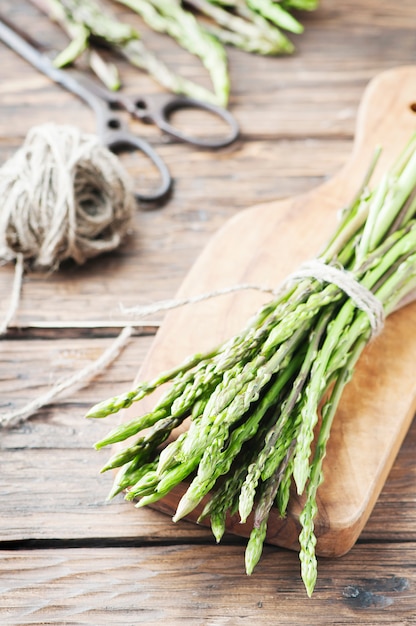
x,y
252,25
261,405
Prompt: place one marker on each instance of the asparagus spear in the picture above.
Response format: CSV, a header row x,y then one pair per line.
x,y
303,5
167,16
276,14
86,19
254,401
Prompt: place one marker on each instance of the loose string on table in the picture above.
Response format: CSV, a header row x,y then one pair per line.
x,y
362,297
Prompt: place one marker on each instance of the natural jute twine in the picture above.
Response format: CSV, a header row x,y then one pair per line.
x,y
63,196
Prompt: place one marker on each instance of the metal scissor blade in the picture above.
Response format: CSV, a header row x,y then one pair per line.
x,y
111,131
41,62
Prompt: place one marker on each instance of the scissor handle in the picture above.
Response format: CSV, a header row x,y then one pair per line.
x,y
117,138
159,108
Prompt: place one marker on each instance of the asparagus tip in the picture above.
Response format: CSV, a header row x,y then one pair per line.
x,y
115,490
185,506
97,411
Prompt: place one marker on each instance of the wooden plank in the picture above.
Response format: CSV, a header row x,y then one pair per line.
x,y
262,246
205,586
50,485
29,369
57,493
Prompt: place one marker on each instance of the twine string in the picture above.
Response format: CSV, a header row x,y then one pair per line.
x,y
72,383
362,297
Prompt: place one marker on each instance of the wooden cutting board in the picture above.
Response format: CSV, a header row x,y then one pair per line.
x,y
262,245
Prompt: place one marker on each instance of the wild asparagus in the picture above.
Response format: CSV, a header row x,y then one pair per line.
x,y
86,19
276,14
252,25
169,17
242,28
254,401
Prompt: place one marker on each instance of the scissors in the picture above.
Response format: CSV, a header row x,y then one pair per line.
x,y
111,128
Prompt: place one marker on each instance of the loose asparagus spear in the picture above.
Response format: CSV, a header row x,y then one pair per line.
x,y
276,14
168,16
253,25
243,28
86,19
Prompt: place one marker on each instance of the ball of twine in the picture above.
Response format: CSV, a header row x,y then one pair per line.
x,y
63,196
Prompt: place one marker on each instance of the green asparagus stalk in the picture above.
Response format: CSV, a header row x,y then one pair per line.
x,y
254,401
106,72
276,14
243,28
169,17
302,5
252,25
86,19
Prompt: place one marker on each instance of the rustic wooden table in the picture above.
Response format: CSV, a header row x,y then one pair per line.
x,y
66,555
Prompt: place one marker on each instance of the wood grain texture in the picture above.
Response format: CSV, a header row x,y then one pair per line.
x,y
298,118
262,246
152,586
